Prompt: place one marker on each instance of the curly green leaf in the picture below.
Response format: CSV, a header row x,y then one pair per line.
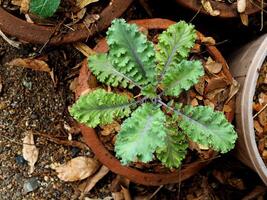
x,y
174,45
141,134
106,73
130,52
174,150
181,77
100,107
207,127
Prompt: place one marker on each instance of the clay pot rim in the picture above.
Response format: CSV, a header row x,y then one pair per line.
x,y
37,34
105,157
227,11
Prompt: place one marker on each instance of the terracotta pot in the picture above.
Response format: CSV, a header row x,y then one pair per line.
x,y
245,65
106,157
37,34
226,10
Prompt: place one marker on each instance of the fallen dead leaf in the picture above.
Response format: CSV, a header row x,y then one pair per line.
x,y
241,5
24,6
91,182
30,63
214,67
29,150
83,3
110,128
258,127
233,90
200,86
208,40
34,64
76,169
216,83
84,49
244,19
207,7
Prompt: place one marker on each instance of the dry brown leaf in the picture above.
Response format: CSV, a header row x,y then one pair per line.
x,y
30,63
76,169
24,6
258,127
262,98
83,3
244,19
200,86
29,150
34,64
213,67
74,84
91,182
208,40
216,83
84,49
90,19
207,7
241,5
263,117
118,195
233,90
227,108
110,128
194,102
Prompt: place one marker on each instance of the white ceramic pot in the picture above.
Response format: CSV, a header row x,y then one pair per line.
x,y
245,65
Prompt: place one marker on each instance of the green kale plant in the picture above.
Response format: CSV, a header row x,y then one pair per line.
x,y
44,8
152,127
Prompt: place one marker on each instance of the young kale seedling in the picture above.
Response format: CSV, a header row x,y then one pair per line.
x,y
153,127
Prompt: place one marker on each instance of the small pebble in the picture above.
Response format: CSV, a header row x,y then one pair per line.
x,y
20,160
30,185
74,152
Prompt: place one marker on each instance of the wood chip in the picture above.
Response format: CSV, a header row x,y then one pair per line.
x,y
29,150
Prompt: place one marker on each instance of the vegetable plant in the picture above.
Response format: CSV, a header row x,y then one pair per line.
x,y
154,123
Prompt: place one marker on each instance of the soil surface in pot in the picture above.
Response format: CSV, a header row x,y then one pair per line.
x,y
40,106
260,112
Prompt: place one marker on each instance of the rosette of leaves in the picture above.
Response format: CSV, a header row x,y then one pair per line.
x,y
152,127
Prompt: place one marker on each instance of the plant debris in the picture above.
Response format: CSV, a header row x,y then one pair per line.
x,y
30,151
260,112
76,169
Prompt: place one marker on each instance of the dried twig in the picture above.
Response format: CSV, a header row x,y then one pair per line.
x,y
80,145
9,41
